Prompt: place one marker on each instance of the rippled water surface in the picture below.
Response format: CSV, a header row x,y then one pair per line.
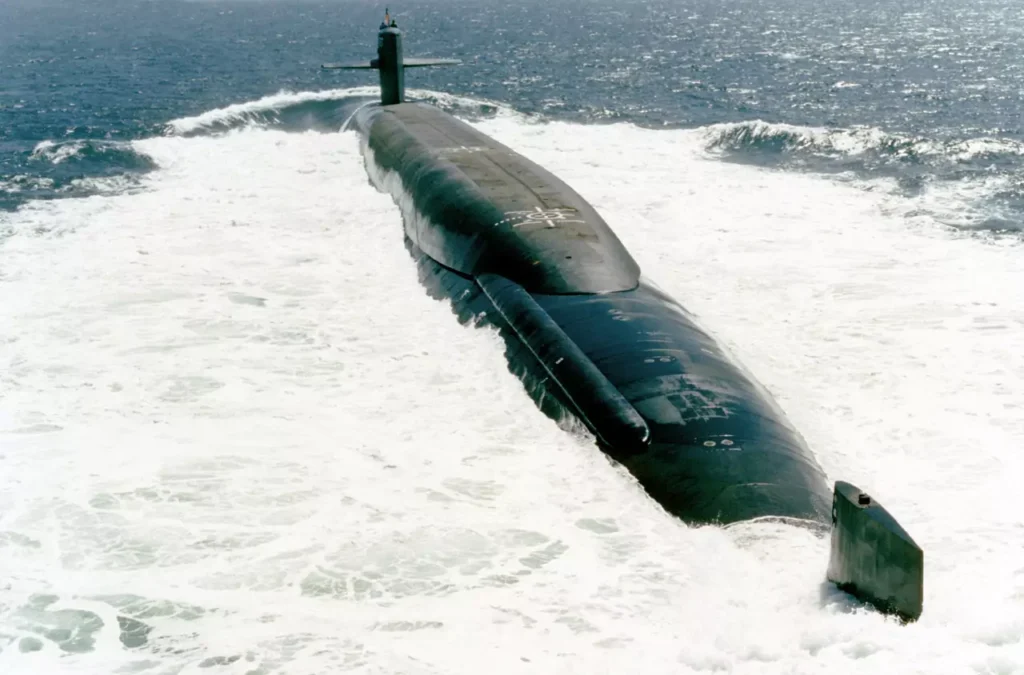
x,y
924,101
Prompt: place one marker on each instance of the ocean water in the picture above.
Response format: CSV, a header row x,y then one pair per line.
x,y
236,436
922,102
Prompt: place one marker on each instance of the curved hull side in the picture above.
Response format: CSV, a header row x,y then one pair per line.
x,y
719,451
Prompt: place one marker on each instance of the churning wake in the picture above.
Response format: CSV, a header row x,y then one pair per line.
x,y
238,437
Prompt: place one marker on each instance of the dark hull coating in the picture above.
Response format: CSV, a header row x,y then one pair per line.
x,y
479,207
711,445
720,450
873,557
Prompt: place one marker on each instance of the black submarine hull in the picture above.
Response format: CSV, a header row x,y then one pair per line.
x,y
661,397
513,247
702,463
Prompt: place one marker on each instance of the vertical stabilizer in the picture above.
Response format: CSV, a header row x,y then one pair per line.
x,y
872,557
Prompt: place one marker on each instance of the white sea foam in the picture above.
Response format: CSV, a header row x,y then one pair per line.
x,y
23,182
230,412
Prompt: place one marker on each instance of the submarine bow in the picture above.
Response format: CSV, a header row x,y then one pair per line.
x,y
511,246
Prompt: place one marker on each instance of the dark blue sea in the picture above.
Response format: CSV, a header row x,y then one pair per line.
x,y
923,99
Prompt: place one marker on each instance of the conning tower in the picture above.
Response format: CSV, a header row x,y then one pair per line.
x,y
390,62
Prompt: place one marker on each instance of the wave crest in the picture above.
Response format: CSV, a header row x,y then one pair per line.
x,y
854,143
325,110
118,154
968,184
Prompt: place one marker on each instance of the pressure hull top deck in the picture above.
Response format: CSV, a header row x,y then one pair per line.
x,y
483,208
701,435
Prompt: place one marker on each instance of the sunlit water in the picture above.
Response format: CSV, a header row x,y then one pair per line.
x,y
238,437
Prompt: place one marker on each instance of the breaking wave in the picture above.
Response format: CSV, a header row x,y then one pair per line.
x,y
968,184
76,168
82,153
282,109
324,111
861,143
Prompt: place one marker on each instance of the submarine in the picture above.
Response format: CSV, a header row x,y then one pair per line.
x,y
513,248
